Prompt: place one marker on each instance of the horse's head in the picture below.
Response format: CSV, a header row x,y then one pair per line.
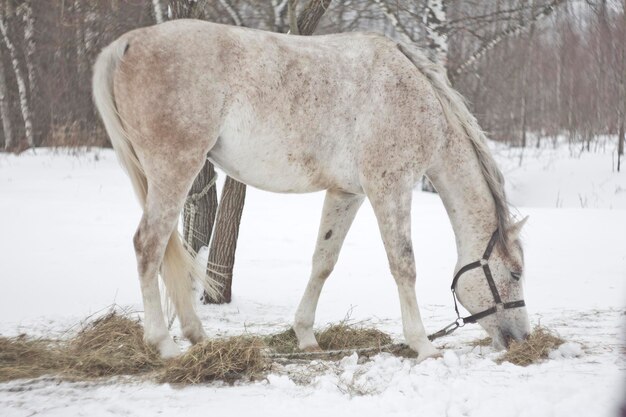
x,y
501,310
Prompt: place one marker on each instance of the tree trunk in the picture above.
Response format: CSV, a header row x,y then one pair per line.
x,y
40,117
311,16
277,12
200,209
185,9
621,134
5,111
526,68
157,10
232,12
437,30
399,28
621,137
224,242
292,14
21,83
30,47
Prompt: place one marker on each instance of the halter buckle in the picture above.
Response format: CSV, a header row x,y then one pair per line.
x,y
451,327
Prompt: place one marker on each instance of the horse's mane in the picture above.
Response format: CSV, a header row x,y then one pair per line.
x,y
463,120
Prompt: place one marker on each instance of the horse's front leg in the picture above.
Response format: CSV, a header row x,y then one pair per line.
x,y
393,212
337,216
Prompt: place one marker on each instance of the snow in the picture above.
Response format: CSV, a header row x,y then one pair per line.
x,y
561,175
66,224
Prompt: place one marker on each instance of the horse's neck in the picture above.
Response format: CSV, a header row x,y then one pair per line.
x,y
466,197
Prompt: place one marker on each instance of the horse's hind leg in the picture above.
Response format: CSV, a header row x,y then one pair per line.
x,y
150,242
161,212
337,216
393,212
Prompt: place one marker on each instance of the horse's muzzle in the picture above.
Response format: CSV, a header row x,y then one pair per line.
x,y
507,335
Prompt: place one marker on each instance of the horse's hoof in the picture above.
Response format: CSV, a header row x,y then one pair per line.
x,y
195,335
427,354
312,349
168,349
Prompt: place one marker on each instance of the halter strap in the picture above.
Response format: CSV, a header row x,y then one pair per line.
x,y
476,264
484,263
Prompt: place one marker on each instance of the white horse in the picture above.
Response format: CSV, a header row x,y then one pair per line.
x,y
357,115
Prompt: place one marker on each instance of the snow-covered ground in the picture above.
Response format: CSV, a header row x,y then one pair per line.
x,y
66,224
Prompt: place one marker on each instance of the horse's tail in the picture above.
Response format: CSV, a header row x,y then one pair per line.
x,y
463,121
179,261
104,98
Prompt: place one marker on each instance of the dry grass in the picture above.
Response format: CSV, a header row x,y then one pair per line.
x,y
486,341
228,360
21,357
283,342
345,336
112,345
534,349
334,337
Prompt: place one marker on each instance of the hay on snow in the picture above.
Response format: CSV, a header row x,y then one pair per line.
x,y
228,359
113,345
334,337
532,350
21,357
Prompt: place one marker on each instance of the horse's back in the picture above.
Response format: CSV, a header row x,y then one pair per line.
x,y
280,112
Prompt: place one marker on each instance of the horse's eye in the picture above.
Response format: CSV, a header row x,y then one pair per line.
x,y
516,275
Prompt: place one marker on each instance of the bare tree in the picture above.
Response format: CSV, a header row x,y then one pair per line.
x,y
399,28
157,9
526,65
311,16
232,12
21,82
511,31
201,209
224,242
437,30
5,111
278,6
567,80
621,134
292,12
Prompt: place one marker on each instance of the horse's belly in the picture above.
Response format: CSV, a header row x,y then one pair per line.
x,y
280,169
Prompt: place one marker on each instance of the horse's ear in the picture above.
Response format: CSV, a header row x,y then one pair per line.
x,y
514,231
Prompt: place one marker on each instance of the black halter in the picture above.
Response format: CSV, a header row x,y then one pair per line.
x,y
484,262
